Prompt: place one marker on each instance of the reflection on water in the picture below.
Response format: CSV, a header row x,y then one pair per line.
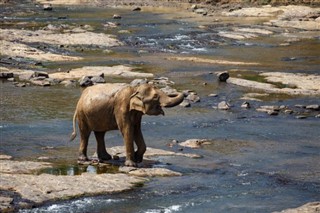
x,y
256,163
79,169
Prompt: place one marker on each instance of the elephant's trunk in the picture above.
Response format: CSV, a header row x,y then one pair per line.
x,y
171,100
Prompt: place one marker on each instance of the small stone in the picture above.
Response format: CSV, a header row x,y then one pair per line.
x,y
223,105
47,7
116,16
213,95
301,117
41,74
194,7
223,76
194,98
20,85
300,106
115,157
11,79
273,112
136,9
288,111
43,158
245,105
317,116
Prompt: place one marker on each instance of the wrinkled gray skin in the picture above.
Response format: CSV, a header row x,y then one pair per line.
x,y
105,107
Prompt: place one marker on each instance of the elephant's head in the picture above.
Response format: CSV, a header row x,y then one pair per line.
x,y
150,100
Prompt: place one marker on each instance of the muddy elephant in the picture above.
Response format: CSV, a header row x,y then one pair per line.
x,y
105,107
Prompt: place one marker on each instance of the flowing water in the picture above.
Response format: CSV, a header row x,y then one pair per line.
x,y
256,163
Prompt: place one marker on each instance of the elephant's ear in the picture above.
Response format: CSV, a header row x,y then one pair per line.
x,y
136,103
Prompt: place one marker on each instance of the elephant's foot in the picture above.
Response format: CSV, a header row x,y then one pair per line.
x,y
130,163
138,157
104,156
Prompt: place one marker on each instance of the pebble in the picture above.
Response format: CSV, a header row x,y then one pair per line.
x,y
245,105
223,105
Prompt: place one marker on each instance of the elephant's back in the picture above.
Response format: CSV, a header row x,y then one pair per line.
x,y
100,93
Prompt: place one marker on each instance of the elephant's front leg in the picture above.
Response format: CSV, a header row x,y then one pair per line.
x,y
102,153
138,138
127,132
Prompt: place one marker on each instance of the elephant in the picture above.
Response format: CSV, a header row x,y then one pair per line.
x,y
112,106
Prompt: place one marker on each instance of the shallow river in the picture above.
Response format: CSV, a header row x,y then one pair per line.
x,y
257,162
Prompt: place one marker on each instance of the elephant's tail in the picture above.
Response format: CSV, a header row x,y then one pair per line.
x,y
74,133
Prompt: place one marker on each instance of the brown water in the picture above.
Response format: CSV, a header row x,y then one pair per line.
x,y
257,163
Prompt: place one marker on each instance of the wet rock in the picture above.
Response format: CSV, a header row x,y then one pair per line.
x,y
312,207
313,107
245,105
223,105
137,82
85,81
195,143
223,76
317,116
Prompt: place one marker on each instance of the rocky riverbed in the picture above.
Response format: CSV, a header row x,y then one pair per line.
x,y
66,55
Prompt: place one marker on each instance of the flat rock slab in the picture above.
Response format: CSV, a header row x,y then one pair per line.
x,y
41,188
120,71
313,207
151,152
49,37
211,61
14,49
305,84
21,167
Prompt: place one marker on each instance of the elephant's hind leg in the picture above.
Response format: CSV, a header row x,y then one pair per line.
x,y
101,148
84,138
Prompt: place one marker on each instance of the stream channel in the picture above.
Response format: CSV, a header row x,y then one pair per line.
x,y
256,163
